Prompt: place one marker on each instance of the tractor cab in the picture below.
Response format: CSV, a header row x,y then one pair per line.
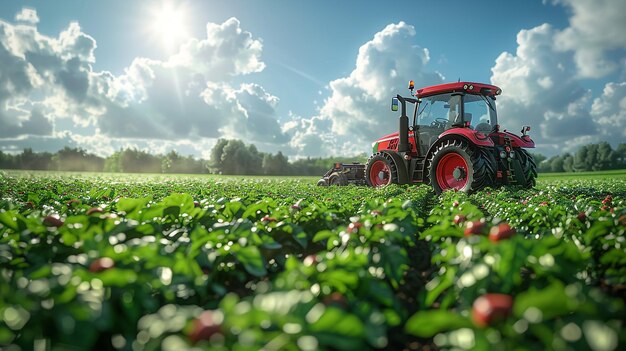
x,y
435,114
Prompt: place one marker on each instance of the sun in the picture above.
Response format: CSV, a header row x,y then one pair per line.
x,y
168,24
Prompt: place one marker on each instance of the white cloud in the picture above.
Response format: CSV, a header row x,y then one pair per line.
x,y
609,112
542,81
186,100
27,15
596,29
357,111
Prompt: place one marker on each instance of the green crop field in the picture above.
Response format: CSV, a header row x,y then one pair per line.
x,y
154,262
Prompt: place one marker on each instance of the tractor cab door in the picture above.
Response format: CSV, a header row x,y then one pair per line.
x,y
436,114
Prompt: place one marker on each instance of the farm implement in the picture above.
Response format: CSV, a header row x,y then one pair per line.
x,y
454,142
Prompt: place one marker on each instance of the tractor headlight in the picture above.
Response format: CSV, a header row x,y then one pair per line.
x,y
512,154
502,154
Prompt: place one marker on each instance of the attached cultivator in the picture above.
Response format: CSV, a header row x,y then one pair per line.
x,y
453,143
344,174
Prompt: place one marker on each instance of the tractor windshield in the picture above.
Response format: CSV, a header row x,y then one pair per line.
x,y
444,111
480,111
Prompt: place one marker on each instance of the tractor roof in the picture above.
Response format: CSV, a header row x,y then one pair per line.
x,y
469,87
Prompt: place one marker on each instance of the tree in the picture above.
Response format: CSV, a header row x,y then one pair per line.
x,y
76,159
112,163
606,157
580,159
216,162
620,156
556,164
137,161
568,163
275,164
236,158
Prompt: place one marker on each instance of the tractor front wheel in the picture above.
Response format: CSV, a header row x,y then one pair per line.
x,y
382,169
456,166
529,167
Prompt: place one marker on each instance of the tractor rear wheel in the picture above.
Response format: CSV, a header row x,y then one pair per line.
x,y
454,165
529,167
384,168
338,179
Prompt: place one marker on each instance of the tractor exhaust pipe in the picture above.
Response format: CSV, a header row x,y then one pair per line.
x,y
403,131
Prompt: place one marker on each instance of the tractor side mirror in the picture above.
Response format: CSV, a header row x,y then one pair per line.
x,y
394,104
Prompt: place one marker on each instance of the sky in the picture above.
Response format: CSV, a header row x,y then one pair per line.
x,y
308,78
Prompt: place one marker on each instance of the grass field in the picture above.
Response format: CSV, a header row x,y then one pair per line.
x,y
613,174
171,262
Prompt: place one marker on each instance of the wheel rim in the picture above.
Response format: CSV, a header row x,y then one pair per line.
x,y
452,172
380,174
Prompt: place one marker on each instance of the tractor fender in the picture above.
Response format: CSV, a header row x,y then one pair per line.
x,y
472,136
524,141
455,135
403,177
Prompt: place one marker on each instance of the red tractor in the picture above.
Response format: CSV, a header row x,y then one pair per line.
x,y
453,143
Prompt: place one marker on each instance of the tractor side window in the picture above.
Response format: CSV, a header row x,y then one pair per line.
x,y
479,113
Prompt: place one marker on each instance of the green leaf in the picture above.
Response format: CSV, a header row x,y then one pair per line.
x,y
8,219
426,324
252,260
551,301
340,322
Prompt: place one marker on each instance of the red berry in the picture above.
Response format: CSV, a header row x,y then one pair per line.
x,y
52,221
475,227
94,210
376,213
491,308
205,326
459,219
455,204
354,227
582,216
544,203
267,219
336,299
196,204
500,232
73,202
101,264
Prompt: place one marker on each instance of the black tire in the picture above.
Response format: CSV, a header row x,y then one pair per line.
x,y
337,179
465,168
529,167
395,170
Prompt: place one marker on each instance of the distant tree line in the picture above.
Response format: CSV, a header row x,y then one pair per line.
x,y
592,157
235,157
232,157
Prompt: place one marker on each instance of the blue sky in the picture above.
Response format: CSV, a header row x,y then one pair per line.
x,y
309,78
